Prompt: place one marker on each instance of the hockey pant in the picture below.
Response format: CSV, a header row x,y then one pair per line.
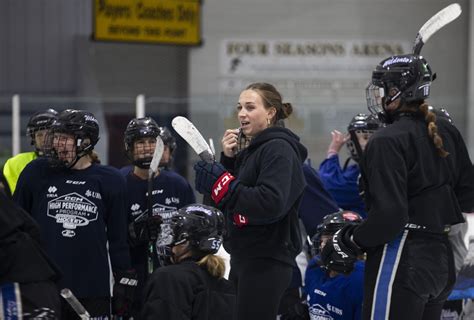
x,y
409,278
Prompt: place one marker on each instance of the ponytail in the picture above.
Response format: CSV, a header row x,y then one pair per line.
x,y
430,118
94,156
215,265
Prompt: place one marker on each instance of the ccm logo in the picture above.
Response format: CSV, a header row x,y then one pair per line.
x,y
223,181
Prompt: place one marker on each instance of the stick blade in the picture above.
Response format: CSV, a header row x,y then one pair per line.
x,y
157,154
193,137
436,22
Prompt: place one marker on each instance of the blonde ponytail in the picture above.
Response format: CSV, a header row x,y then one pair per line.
x,y
215,265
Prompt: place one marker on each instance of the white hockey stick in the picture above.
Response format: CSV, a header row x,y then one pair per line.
x,y
211,145
157,154
435,23
155,162
75,304
193,137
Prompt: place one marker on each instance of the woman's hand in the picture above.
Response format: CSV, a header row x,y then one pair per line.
x,y
229,142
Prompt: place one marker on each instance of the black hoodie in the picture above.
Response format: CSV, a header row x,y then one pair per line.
x,y
267,197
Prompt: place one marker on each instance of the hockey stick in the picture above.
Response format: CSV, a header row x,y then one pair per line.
x,y
435,23
155,161
75,304
193,137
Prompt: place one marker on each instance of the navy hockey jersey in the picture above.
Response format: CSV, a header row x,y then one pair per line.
x,y
170,192
80,212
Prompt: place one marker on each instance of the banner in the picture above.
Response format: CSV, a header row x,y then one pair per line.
x,y
305,58
163,21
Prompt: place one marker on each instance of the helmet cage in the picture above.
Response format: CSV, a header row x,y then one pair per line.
x,y
42,120
137,129
330,225
407,77
359,126
201,225
84,129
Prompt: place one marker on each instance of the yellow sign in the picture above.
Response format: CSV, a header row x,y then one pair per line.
x,y
158,21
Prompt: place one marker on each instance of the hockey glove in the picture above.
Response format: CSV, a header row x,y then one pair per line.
x,y
212,178
124,289
144,229
340,253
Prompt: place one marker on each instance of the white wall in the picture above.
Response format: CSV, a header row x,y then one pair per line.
x,y
319,110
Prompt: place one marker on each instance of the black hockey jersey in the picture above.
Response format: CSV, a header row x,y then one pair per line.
x,y
438,189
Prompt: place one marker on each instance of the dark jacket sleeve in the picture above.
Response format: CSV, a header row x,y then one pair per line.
x,y
279,184
316,202
227,162
387,198
117,226
464,187
23,195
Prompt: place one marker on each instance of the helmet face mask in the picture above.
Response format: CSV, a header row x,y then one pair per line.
x,y
200,226
72,136
360,130
139,148
330,225
396,81
169,142
38,127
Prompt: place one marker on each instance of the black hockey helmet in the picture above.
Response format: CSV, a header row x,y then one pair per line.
x,y
442,113
361,124
41,120
139,128
168,138
407,77
331,224
79,123
170,141
201,225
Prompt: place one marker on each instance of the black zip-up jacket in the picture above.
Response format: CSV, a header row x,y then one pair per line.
x,y
22,259
268,195
408,182
186,291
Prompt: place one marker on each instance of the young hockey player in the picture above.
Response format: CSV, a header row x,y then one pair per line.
x,y
170,192
260,190
80,208
191,284
335,290
419,179
36,129
343,183
169,142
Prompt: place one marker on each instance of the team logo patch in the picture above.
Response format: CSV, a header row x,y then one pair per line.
x,y
317,312
72,210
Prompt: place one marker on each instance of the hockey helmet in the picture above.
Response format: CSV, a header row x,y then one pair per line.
x,y
139,128
41,120
407,77
202,226
82,126
331,224
361,127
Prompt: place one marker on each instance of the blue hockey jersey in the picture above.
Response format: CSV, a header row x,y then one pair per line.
x,y
336,298
342,184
